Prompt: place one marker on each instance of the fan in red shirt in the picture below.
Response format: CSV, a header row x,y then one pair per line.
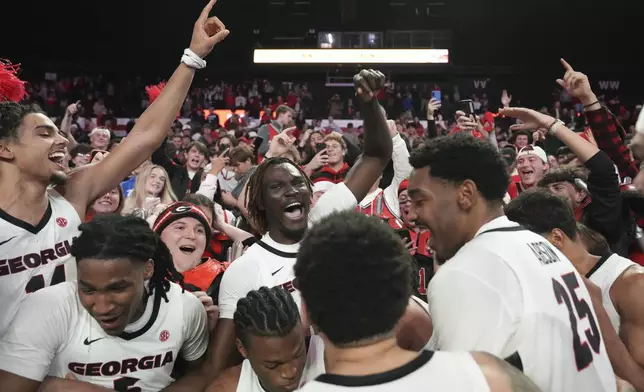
x,y
532,164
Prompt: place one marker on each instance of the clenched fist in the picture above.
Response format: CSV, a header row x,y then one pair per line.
x,y
367,83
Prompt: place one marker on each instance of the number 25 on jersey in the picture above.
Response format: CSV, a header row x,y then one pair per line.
x,y
578,309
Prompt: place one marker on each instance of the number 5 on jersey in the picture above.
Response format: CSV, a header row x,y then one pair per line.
x,y
583,353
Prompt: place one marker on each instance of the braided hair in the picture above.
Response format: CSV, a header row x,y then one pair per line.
x,y
255,196
266,312
112,236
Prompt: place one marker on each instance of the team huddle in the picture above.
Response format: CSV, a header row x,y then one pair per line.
x,y
324,299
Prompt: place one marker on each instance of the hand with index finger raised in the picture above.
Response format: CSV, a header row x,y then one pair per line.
x,y
207,32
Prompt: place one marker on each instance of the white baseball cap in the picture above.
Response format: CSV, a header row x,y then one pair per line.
x,y
534,150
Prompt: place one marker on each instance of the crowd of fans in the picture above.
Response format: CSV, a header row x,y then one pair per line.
x,y
266,253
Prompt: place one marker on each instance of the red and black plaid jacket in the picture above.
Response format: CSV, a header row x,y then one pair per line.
x,y
610,138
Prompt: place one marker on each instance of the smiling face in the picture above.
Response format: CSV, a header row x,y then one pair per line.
x,y
39,151
277,361
405,205
335,152
186,240
287,201
113,291
108,203
100,139
155,182
436,205
531,169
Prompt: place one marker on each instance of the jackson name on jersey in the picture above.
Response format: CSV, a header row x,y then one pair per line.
x,y
33,257
67,339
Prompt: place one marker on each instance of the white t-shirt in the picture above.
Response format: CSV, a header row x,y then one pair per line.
x,y
248,381
33,257
53,335
430,371
268,263
604,274
510,291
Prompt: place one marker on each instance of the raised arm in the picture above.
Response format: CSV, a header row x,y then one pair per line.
x,y
91,181
377,144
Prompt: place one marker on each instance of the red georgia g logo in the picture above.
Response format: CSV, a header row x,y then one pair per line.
x,y
62,222
164,335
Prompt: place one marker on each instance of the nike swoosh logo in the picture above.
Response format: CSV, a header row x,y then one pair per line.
x,y
273,273
5,241
88,342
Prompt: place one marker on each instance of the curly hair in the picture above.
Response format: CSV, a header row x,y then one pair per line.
x,y
112,236
11,116
541,211
459,157
255,196
354,274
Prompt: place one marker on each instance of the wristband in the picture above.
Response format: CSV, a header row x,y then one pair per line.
x,y
591,104
191,60
552,129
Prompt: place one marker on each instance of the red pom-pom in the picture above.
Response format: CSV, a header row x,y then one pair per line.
x,y
154,91
11,88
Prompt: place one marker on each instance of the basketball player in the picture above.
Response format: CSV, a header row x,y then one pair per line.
x,y
621,281
279,205
355,293
37,224
271,338
508,282
123,326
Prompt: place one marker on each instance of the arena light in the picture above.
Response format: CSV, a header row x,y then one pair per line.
x,y
351,56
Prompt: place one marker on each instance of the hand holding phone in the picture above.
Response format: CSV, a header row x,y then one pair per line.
x,y
319,147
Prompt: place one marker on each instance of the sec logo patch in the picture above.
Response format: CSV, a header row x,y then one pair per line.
x,y
164,335
62,222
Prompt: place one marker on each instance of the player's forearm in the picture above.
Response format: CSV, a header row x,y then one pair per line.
x,y
54,384
583,149
152,127
377,141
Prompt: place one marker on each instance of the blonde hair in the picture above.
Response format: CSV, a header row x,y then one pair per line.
x,y
138,195
336,137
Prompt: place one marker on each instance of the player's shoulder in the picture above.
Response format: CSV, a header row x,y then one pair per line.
x,y
60,299
58,292
501,376
248,262
191,303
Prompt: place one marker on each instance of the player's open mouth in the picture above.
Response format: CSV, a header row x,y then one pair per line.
x,y
187,249
294,211
58,158
108,323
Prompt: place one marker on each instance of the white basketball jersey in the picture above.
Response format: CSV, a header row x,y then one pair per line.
x,y
604,274
430,371
70,340
530,301
248,381
34,257
269,263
